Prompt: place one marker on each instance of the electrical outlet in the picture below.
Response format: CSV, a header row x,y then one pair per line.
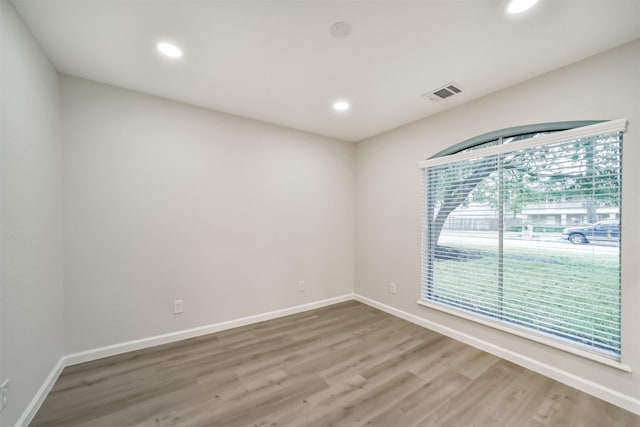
x,y
392,288
178,306
4,394
301,286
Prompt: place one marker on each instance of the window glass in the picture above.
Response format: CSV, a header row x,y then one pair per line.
x,y
530,237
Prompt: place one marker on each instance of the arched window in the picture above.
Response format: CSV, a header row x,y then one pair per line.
x,y
521,231
513,134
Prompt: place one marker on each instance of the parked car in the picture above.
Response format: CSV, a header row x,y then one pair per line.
x,y
603,231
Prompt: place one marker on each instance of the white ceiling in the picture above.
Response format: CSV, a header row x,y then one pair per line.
x,y
276,61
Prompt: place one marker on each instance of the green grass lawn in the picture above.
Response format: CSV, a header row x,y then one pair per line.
x,y
572,294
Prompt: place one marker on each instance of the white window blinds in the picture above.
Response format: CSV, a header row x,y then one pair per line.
x,y
527,234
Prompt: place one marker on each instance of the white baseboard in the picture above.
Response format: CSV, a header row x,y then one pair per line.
x,y
585,385
616,398
112,350
43,391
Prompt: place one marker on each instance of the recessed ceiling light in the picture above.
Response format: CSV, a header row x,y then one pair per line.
x,y
340,29
169,49
341,106
519,6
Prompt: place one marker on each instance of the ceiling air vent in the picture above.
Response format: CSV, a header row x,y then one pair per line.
x,y
444,92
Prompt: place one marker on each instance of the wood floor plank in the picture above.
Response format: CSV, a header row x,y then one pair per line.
x,y
311,347
430,396
593,412
442,353
521,398
343,365
472,362
559,406
350,409
245,407
370,354
475,399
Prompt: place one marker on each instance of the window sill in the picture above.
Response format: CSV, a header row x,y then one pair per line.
x,y
530,336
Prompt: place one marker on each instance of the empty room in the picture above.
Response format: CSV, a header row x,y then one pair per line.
x,y
319,213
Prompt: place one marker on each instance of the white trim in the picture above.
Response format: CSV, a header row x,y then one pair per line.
x,y
612,396
619,125
528,335
33,406
604,393
111,350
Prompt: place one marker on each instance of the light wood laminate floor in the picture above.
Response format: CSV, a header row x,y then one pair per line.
x,y
343,365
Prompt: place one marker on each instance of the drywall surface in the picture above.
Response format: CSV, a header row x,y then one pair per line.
x,y
165,201
31,301
389,200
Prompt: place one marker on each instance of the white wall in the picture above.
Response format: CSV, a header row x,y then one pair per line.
x,y
166,201
388,205
31,218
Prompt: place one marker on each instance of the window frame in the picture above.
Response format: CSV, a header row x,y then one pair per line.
x,y
562,131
